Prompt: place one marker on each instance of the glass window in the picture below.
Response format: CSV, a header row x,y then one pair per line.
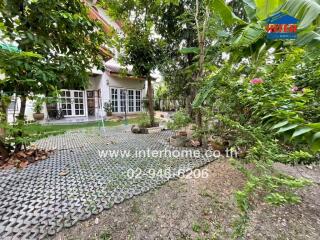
x,y
138,101
123,100
131,100
114,99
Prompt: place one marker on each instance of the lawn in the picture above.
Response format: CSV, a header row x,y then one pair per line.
x,y
59,129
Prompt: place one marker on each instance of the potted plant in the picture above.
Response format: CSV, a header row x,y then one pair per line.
x,y
180,120
37,107
108,108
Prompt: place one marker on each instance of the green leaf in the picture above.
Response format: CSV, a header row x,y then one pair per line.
x,y
279,125
315,126
205,91
316,136
225,12
194,50
268,116
301,131
315,146
249,35
288,128
307,38
305,10
250,8
265,8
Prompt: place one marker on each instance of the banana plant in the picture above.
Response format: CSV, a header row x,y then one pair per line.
x,y
307,11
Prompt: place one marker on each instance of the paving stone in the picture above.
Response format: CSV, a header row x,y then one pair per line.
x,y
37,202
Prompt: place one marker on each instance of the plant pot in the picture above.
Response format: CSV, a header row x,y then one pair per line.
x,y
38,116
178,141
109,114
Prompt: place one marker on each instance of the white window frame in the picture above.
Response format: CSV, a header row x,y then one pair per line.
x,y
127,99
73,103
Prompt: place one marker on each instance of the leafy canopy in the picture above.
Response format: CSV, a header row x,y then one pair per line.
x,y
58,31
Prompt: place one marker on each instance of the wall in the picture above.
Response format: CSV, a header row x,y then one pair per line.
x,y
126,83
29,111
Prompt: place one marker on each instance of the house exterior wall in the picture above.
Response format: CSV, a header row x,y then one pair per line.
x,y
127,83
16,103
102,81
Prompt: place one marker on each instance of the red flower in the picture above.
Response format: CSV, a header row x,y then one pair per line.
x,y
256,81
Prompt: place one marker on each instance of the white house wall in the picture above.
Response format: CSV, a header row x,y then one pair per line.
x,y
118,82
28,113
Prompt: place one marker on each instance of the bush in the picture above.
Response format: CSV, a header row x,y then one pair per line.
x,y
180,119
107,107
144,120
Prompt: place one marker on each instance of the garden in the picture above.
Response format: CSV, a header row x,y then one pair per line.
x,y
237,88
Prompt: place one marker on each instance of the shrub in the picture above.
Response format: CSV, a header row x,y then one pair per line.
x,y
180,119
37,106
144,120
107,107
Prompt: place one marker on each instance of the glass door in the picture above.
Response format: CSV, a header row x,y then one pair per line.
x,y
123,97
73,103
131,100
66,103
138,101
114,100
78,97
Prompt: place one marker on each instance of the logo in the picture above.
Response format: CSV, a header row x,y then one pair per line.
x,y
281,26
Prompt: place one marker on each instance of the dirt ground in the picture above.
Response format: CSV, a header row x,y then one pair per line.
x,y
204,208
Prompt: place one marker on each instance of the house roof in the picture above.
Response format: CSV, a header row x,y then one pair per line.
x,y
281,18
114,68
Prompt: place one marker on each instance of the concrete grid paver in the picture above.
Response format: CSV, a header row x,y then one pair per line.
x,y
37,202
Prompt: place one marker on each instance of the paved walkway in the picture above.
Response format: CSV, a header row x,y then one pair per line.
x,y
76,183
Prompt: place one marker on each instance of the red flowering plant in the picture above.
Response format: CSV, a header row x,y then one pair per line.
x,y
256,81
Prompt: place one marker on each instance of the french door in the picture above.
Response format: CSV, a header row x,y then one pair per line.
x,y
126,100
73,103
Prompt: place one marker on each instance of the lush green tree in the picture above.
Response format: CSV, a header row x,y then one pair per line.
x,y
142,48
176,25
59,31
58,46
179,24
254,98
252,33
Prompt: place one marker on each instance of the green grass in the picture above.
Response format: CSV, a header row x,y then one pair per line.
x,y
105,236
59,129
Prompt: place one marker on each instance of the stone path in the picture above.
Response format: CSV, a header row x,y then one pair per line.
x,y
76,183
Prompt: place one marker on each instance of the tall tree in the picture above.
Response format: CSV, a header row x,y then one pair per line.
x,y
143,50
58,46
176,25
61,32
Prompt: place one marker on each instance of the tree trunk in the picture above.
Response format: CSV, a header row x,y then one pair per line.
x,y
150,100
201,30
4,153
188,106
22,108
21,118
